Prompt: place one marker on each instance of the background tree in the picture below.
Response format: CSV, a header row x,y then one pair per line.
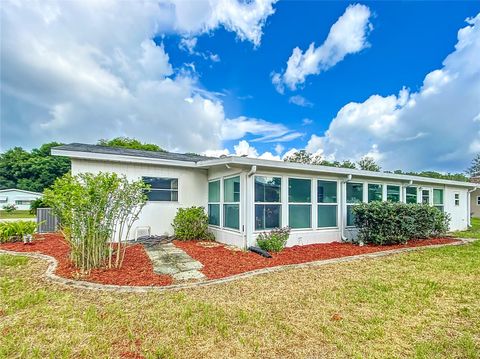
x,y
301,156
132,143
31,171
474,169
368,164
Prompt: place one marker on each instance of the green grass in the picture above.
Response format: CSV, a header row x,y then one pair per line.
x,y
423,304
473,232
16,214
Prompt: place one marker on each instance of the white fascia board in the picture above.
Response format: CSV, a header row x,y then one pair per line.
x,y
20,190
121,158
334,170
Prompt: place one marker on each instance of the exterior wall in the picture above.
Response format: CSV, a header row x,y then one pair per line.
x,y
459,214
192,190
474,203
14,195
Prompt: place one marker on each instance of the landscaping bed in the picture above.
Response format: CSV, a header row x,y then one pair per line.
x,y
137,269
220,261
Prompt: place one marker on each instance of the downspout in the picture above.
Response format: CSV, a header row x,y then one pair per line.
x,y
250,173
343,204
469,207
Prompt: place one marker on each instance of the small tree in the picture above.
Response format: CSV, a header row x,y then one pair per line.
x,y
191,223
96,211
474,169
368,164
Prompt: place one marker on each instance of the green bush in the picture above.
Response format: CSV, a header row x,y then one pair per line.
x,y
15,231
37,203
9,208
391,223
275,240
191,223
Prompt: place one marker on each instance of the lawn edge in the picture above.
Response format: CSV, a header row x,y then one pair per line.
x,y
50,275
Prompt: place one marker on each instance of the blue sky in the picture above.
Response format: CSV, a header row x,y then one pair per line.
x,y
113,80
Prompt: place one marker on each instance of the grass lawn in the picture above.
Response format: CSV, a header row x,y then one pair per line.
x,y
424,304
473,232
17,214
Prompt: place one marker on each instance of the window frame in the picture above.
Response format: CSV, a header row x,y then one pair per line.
x,y
171,190
349,204
478,200
382,189
437,205
430,199
318,204
405,199
400,194
255,203
219,203
456,199
223,202
310,204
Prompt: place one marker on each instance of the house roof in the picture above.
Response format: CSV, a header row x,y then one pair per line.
x,y
20,190
119,151
103,153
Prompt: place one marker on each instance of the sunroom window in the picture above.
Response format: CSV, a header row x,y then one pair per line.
x,y
214,203
425,196
411,195
375,192
438,198
354,196
231,202
268,208
299,203
327,203
162,189
393,193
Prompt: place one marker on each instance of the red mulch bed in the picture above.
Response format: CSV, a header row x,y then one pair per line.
x,y
222,262
136,269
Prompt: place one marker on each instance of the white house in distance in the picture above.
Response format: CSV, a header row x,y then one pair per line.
x,y
18,197
246,196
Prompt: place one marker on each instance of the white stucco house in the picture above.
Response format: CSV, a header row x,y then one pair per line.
x,y
18,197
245,196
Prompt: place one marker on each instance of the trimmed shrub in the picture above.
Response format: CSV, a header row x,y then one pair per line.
x,y
191,223
392,223
16,231
275,240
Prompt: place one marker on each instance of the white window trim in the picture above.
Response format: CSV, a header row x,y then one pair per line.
x,y
337,182
280,203
382,185
456,199
443,198
364,199
165,189
222,197
385,191
311,203
219,203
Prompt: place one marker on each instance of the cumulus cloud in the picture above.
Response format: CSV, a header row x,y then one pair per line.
x,y
434,128
244,149
347,36
66,81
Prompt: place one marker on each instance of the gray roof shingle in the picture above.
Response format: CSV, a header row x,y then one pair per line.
x,y
81,147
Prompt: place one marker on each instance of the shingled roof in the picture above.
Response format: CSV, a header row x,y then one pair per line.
x,y
81,147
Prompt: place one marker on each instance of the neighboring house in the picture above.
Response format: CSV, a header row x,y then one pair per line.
x,y
245,196
475,198
18,197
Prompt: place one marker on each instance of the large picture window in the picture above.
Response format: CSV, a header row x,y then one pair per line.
x,y
162,189
438,198
327,203
393,193
231,202
214,203
375,192
299,203
354,196
268,209
411,195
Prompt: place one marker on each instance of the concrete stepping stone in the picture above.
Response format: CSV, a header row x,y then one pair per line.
x,y
171,260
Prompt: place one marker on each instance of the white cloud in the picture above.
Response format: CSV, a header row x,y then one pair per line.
x,y
188,44
66,81
306,122
433,128
244,149
347,36
300,101
279,148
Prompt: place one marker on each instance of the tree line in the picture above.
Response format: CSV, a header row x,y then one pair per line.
x,y
37,169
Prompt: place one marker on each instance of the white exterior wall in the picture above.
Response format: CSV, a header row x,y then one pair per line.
x,y
459,214
192,190
11,196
